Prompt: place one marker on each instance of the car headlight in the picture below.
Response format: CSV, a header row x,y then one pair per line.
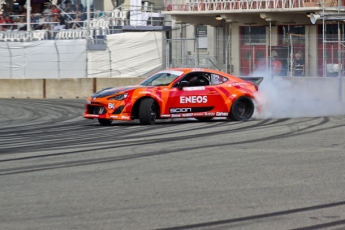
x,y
119,97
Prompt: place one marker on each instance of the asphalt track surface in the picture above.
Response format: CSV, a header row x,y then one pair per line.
x,y
60,171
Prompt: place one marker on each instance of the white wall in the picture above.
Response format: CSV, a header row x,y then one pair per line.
x,y
132,54
43,59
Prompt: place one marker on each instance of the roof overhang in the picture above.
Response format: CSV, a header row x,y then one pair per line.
x,y
298,16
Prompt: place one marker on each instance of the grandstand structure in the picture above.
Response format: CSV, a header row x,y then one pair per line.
x,y
244,36
100,22
96,42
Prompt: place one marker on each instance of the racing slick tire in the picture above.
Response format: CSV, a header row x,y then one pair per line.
x,y
242,109
147,111
105,121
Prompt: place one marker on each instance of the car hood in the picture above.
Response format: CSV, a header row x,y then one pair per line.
x,y
114,90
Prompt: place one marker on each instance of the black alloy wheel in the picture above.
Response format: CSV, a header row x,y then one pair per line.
x,y
148,111
242,109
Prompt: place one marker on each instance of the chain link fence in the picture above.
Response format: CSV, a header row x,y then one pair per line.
x,y
210,51
276,55
293,55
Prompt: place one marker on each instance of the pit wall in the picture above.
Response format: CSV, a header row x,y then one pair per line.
x,y
84,87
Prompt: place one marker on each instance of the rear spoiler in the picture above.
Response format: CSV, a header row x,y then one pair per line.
x,y
255,80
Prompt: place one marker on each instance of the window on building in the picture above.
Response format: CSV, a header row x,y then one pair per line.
x,y
201,35
294,34
331,32
253,35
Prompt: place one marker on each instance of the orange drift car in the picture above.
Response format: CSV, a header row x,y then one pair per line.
x,y
176,93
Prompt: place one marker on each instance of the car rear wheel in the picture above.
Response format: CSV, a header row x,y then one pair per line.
x,y
105,121
242,109
148,111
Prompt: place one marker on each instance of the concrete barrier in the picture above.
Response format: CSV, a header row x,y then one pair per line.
x,y
69,88
59,88
102,83
84,87
21,88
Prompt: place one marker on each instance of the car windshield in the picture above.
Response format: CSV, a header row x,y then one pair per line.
x,y
162,78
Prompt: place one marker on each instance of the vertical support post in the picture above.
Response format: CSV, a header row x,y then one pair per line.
x,y
181,53
250,45
110,66
28,15
227,54
86,62
270,61
94,85
229,48
44,88
196,47
196,53
11,60
88,19
307,67
290,50
167,48
340,67
323,41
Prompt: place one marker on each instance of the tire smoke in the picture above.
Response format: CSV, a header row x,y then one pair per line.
x,y
291,97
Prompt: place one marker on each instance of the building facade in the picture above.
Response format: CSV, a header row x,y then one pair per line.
x,y
249,37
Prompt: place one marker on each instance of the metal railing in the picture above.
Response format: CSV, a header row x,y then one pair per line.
x,y
218,5
101,23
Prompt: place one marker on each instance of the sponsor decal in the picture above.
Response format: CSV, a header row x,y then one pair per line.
x,y
180,110
165,115
175,115
115,117
236,84
198,114
221,114
111,106
187,115
125,117
101,110
194,88
91,115
193,99
209,114
197,69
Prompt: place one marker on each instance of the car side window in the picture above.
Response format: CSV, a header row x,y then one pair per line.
x,y
163,79
197,79
217,79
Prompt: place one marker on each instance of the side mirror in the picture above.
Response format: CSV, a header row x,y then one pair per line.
x,y
182,84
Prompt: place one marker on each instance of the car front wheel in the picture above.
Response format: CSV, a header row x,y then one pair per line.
x,y
148,111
